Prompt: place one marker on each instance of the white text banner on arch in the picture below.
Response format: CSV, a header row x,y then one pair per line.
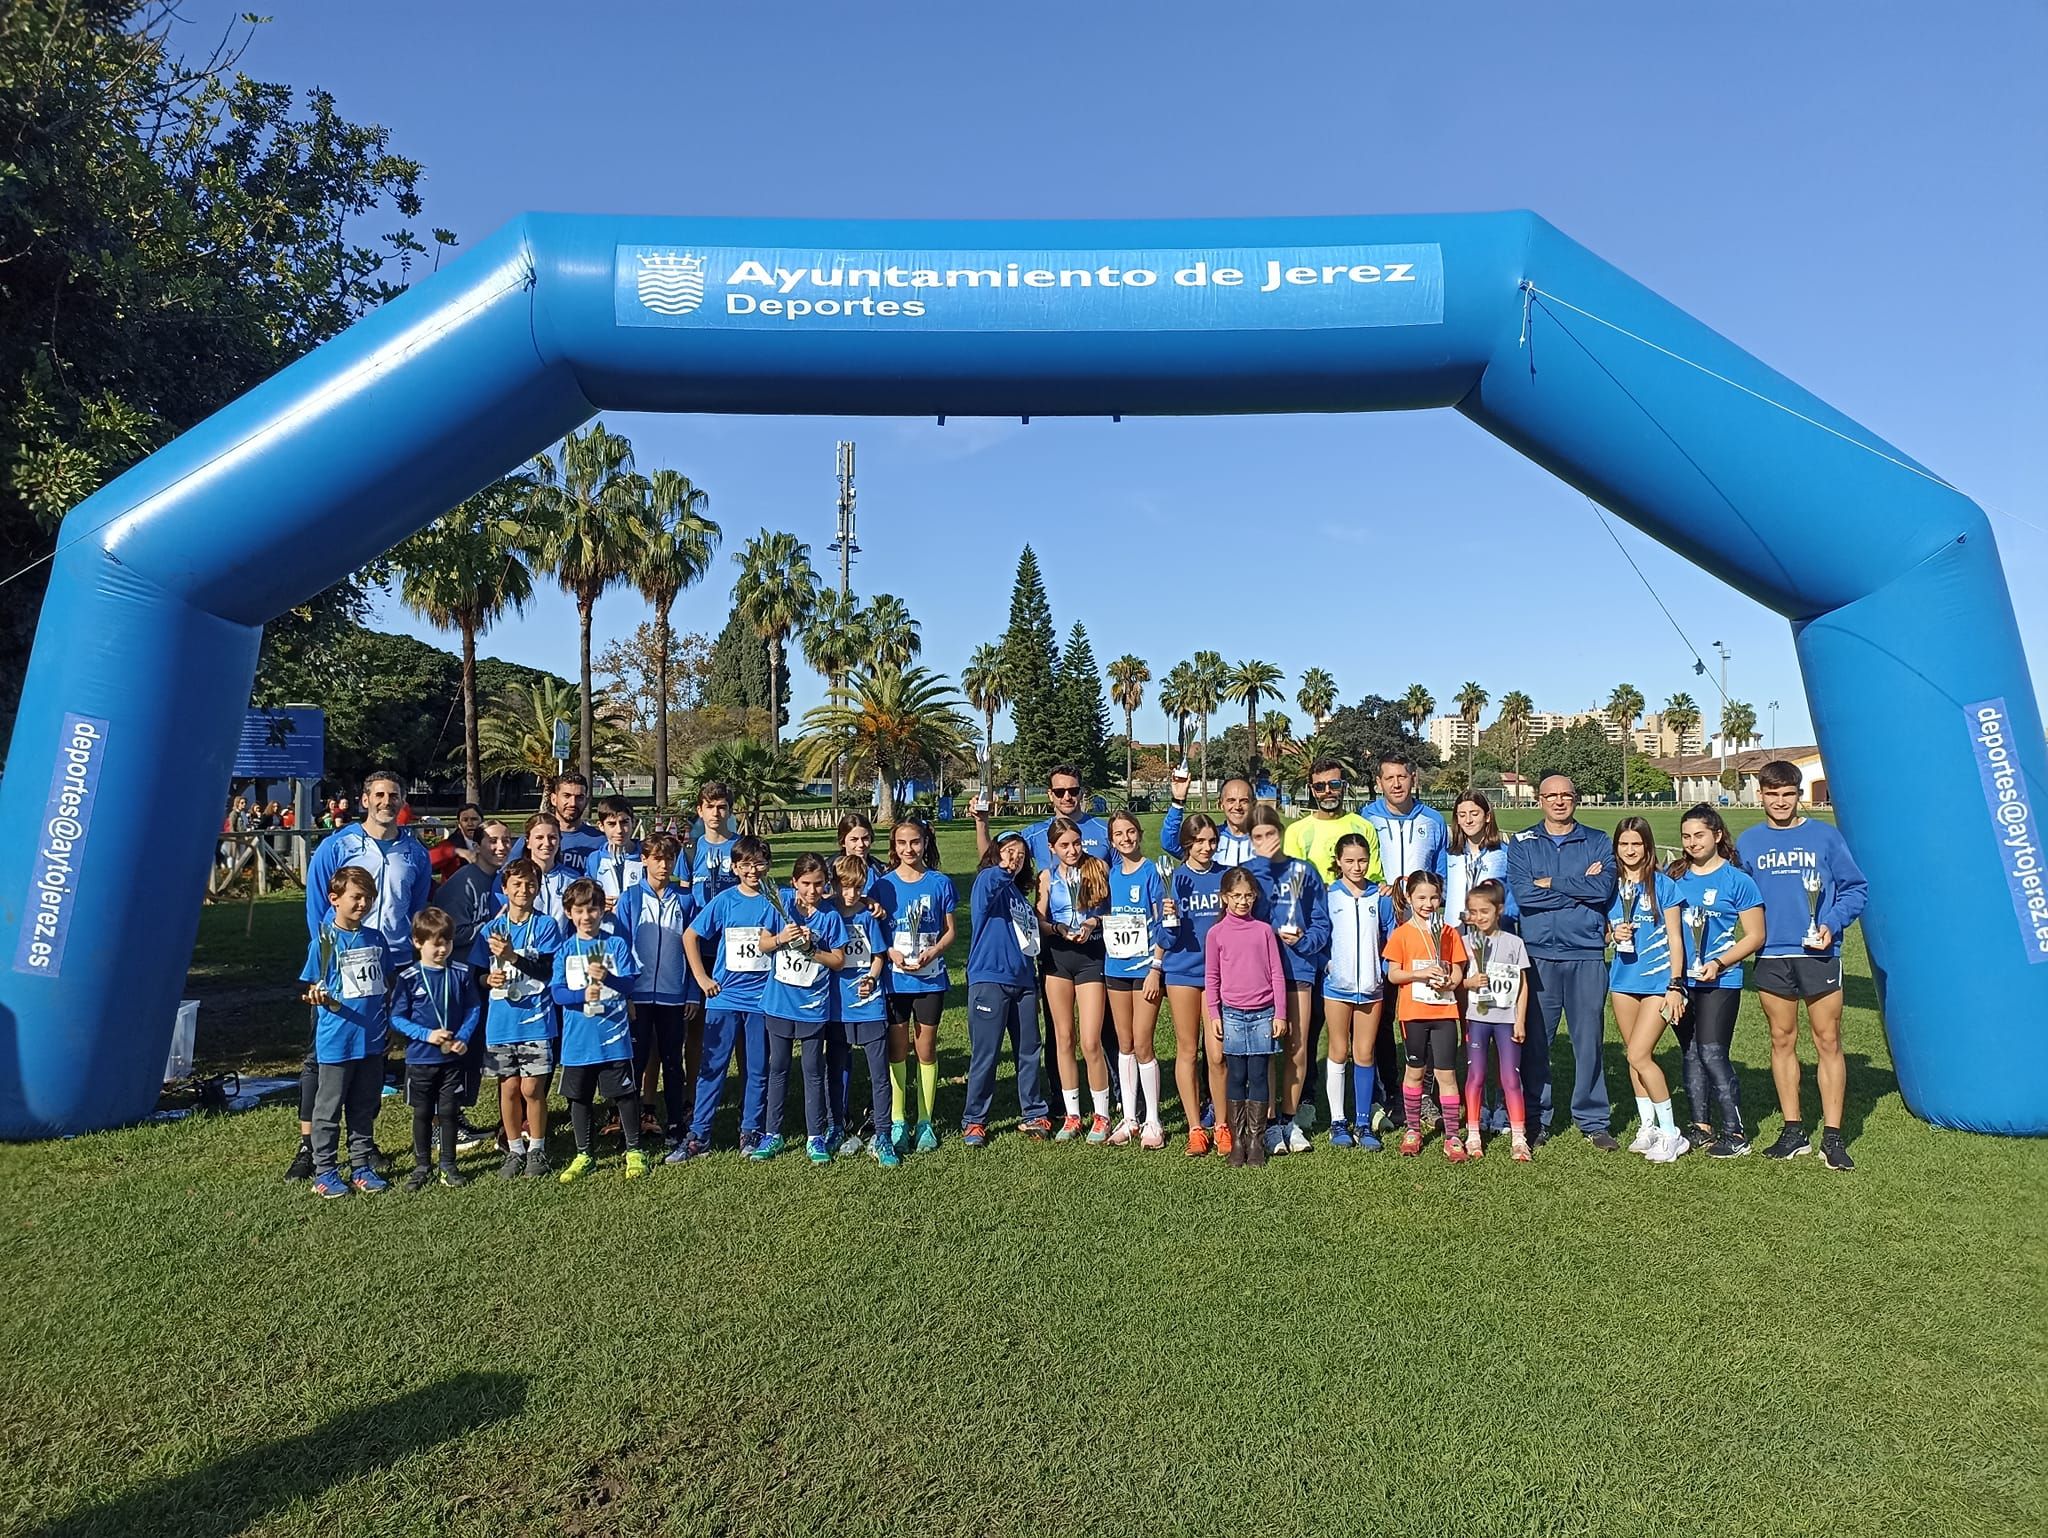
x,y
1263,288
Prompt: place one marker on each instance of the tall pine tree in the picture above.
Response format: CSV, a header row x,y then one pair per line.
x,y
1083,715
737,677
1030,658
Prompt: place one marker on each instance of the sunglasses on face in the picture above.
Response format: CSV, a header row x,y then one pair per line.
x,y
1066,790
1327,785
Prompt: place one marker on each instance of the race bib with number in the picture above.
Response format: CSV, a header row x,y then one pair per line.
x,y
797,971
1503,983
1422,993
1126,936
743,950
909,944
361,972
858,952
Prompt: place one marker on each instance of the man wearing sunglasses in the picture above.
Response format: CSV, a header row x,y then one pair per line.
x,y
1069,797
1314,837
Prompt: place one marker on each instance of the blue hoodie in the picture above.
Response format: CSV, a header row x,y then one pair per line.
x,y
1567,920
1276,878
429,999
1777,858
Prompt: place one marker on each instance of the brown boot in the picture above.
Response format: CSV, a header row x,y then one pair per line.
x,y
1234,1119
1255,1132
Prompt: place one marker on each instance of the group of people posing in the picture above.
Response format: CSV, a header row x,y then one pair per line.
x,y
1433,962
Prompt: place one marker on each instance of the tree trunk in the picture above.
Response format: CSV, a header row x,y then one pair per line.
x,y
1127,752
1205,762
661,647
885,799
584,604
775,689
472,751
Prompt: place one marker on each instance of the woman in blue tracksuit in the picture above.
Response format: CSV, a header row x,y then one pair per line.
x,y
1294,901
1195,902
1002,988
1361,918
1477,853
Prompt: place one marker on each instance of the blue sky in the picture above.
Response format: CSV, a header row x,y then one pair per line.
x,y
1849,191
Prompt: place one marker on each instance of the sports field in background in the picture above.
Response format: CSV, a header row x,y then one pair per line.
x,y
1026,1339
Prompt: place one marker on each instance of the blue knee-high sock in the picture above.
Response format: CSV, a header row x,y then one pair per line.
x,y
1362,1076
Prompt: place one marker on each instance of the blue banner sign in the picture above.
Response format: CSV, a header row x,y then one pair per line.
x,y
1236,288
282,745
2012,820
60,846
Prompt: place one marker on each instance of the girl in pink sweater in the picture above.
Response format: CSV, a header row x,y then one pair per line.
x,y
1244,994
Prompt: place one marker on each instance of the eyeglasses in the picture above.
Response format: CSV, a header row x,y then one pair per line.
x,y
1066,790
1326,785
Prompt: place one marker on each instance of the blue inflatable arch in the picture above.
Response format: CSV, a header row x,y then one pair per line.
x,y
147,648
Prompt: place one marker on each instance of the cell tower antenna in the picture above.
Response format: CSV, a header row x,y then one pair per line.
x,y
844,544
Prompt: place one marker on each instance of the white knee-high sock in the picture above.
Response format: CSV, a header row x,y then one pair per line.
x,y
1333,1089
1127,1082
1148,1077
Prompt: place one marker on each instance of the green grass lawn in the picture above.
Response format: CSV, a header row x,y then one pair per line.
x,y
1027,1339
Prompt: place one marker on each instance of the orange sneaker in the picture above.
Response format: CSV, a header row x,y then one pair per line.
x,y
1411,1142
1453,1150
1198,1141
1224,1140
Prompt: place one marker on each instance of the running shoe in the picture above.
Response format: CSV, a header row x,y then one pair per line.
x,y
767,1148
1669,1148
1155,1136
1792,1142
330,1185
1275,1140
369,1182
576,1169
749,1141
1520,1153
513,1167
469,1139
927,1138
686,1148
1297,1140
302,1164
420,1178
536,1159
1645,1139
1225,1140
1604,1140
1411,1142
1454,1150
974,1135
1125,1131
885,1153
636,1163
1198,1143
1379,1119
818,1150
1699,1137
1340,1135
1038,1128
1730,1145
834,1141
1367,1141
1305,1116
455,1180
1098,1129
379,1162
1834,1153
899,1134
1069,1130
1475,1146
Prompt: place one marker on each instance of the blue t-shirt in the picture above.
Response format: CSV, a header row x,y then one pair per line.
x,y
711,870
918,909
1779,859
1723,895
1005,937
1292,889
358,975
1132,928
1063,903
800,988
607,1035
864,941
429,999
1199,896
740,968
1094,840
1648,970
580,845
522,1010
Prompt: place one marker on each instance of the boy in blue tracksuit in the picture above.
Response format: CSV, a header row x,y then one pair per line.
x,y
616,864
1812,891
652,915
1561,873
732,925
434,1007
348,965
593,974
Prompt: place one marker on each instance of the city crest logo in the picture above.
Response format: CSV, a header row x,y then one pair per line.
x,y
671,282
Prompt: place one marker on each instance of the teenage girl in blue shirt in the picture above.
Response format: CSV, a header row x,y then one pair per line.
x,y
920,903
807,948
1710,883
1196,900
1642,982
1134,974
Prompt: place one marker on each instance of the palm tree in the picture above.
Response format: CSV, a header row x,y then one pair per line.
x,y
1416,705
1471,700
776,592
755,772
1253,683
1317,695
1682,715
1738,721
1174,690
1516,712
1128,676
591,513
1208,674
1623,706
681,541
516,734
986,684
835,639
1275,732
889,635
462,572
888,724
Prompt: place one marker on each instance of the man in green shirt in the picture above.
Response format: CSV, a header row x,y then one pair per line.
x,y
1314,837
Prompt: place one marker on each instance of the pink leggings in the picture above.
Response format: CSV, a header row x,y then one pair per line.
x,y
1508,1053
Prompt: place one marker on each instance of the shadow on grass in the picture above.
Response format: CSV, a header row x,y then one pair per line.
x,y
228,1496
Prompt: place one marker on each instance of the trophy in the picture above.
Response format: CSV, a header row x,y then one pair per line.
x,y
801,945
1812,881
1069,883
1290,922
912,932
1169,910
1435,925
1625,926
1482,991
1696,926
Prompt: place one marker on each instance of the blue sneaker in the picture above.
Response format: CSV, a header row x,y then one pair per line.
x,y
767,1147
1367,1141
330,1185
1209,1117
884,1150
1340,1135
974,1135
835,1139
749,1141
927,1138
368,1181
899,1134
818,1149
679,1152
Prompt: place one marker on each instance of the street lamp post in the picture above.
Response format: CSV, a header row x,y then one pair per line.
x,y
1724,712
1771,743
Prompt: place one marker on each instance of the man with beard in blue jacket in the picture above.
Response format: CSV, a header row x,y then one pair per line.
x,y
1562,875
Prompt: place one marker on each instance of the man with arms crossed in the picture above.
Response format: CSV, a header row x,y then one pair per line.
x,y
1562,875
1791,856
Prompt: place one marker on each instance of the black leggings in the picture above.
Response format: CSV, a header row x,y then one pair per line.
x,y
1705,1032
582,1084
1245,1076
662,1028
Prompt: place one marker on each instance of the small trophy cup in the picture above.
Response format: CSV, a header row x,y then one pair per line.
x,y
1070,888
1625,926
1811,880
801,945
1169,910
1482,991
1290,921
1435,925
1696,926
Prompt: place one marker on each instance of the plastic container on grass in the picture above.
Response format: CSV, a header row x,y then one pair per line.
x,y
179,1065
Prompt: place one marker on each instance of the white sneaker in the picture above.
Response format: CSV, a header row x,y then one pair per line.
x,y
1276,1139
1126,1130
1646,1140
1668,1148
1474,1145
1297,1140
